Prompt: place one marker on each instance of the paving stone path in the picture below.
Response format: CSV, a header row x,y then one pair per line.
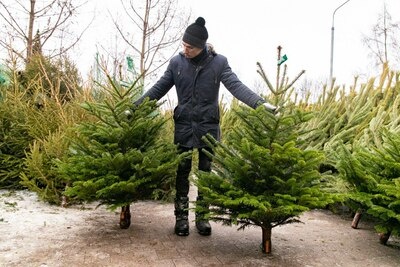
x,y
33,233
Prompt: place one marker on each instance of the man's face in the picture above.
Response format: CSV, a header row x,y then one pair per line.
x,y
190,51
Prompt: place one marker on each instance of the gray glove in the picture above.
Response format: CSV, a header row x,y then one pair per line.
x,y
128,114
270,107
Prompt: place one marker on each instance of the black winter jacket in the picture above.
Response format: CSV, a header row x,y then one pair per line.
x,y
197,88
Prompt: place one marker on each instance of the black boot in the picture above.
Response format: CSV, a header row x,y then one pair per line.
x,y
202,224
181,215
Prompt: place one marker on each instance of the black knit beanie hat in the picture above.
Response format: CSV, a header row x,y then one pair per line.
x,y
196,34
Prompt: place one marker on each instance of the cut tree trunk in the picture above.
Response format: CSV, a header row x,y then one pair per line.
x,y
356,219
266,240
125,217
384,237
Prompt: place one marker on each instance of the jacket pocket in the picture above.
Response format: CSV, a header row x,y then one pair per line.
x,y
182,114
210,114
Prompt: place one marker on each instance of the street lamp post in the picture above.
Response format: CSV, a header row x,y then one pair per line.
x,y
332,41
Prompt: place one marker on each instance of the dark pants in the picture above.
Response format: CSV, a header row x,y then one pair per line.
x,y
185,166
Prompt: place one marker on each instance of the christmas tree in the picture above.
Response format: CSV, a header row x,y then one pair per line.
x,y
373,175
261,176
118,157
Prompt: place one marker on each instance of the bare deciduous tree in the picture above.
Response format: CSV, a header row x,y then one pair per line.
x,y
153,28
48,20
383,43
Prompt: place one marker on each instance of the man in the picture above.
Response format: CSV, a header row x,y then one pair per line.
x,y
196,73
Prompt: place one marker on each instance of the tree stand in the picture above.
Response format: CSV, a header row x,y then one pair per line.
x,y
384,237
266,240
125,217
356,219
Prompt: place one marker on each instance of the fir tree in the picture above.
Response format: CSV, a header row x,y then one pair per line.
x,y
118,158
373,175
15,137
261,176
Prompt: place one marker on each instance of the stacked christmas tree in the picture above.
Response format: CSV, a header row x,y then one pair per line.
x,y
373,175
